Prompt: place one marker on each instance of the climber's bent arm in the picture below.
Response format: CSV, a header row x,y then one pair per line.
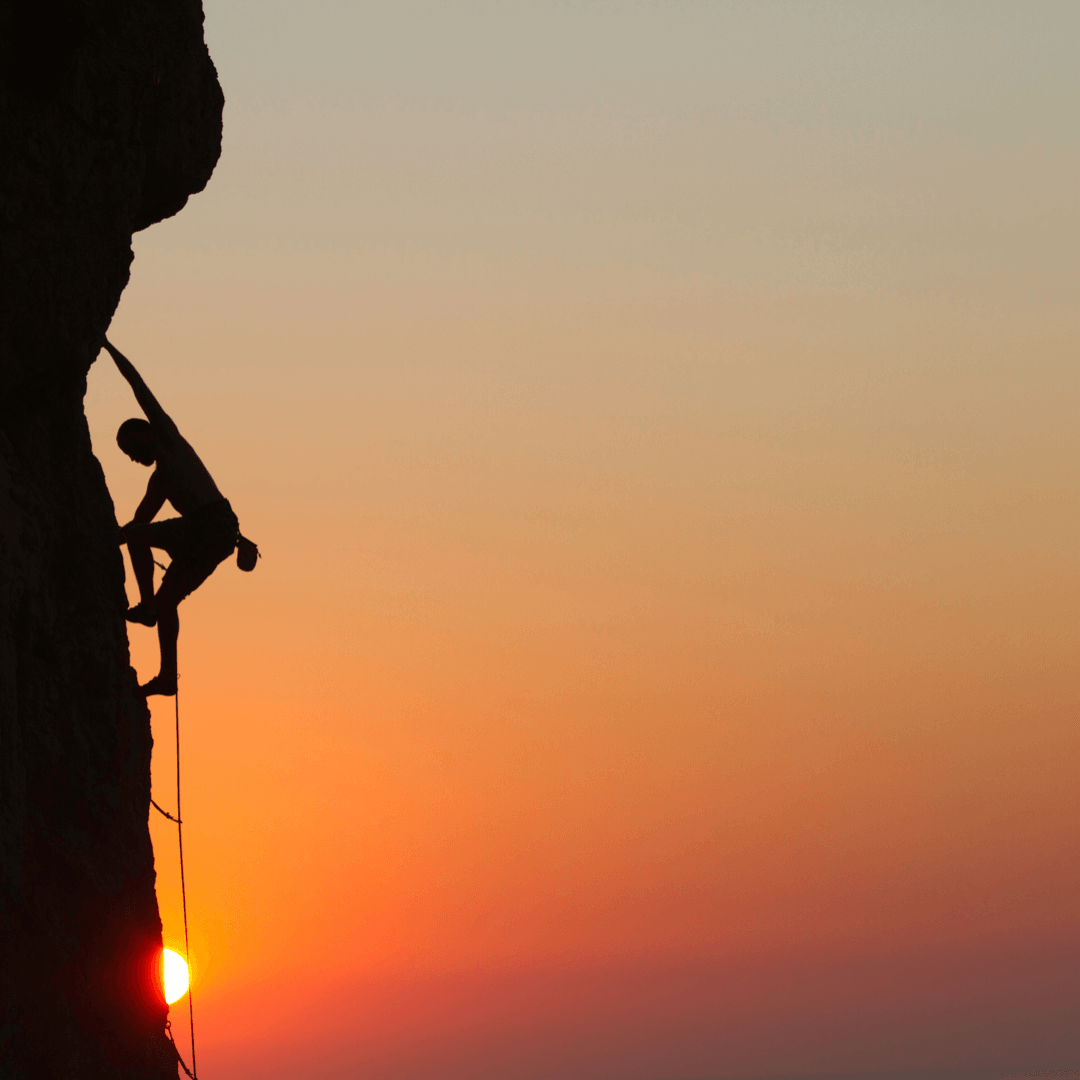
x,y
152,502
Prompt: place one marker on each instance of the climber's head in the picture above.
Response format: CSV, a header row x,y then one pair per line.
x,y
136,438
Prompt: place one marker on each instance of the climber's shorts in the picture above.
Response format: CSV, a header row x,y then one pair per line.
x,y
197,542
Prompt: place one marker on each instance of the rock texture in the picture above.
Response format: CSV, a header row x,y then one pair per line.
x,y
110,117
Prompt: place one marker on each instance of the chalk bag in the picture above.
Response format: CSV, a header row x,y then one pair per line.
x,y
247,554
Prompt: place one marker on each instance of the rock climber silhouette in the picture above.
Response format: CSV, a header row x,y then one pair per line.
x,y
205,534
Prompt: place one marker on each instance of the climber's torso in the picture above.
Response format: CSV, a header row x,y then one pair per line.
x,y
180,476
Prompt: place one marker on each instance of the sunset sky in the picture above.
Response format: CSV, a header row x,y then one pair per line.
x,y
659,422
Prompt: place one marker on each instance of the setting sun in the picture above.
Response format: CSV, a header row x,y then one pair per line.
x,y
174,975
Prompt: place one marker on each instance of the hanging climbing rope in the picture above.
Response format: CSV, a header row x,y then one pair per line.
x,y
178,820
204,535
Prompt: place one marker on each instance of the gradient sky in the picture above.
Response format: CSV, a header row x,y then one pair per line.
x,y
659,422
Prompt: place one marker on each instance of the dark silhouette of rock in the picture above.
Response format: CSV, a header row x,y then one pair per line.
x,y
110,117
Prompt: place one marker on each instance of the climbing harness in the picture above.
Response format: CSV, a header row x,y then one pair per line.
x,y
193,1071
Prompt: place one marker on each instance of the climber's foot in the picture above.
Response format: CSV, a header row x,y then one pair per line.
x,y
160,684
142,613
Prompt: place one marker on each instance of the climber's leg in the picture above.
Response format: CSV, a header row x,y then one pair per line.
x,y
172,535
142,562
168,628
204,547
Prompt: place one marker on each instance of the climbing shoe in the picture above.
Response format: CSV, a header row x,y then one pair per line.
x,y
140,613
159,684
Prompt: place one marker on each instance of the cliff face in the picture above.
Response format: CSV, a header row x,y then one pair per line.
x,y
110,116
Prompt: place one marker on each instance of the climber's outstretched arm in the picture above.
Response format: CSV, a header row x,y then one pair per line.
x,y
157,416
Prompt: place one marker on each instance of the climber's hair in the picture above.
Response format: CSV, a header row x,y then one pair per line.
x,y
136,438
